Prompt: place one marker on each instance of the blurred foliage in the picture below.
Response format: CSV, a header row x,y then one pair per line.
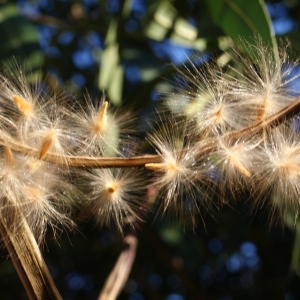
x,y
129,50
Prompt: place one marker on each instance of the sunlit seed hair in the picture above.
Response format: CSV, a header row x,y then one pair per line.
x,y
235,161
179,177
115,197
261,81
215,111
34,116
278,169
25,104
32,190
219,114
54,136
101,130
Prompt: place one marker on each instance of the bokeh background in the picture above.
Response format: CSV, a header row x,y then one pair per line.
x,y
130,50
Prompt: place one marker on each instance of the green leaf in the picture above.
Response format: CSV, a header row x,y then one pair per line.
x,y
171,235
109,61
244,19
115,88
160,22
111,73
19,39
294,265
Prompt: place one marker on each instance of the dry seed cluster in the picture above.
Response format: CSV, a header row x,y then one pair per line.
x,y
238,132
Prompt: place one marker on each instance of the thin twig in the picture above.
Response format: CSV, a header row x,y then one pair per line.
x,y
119,275
272,121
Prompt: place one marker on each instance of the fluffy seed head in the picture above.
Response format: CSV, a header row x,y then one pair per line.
x,y
115,196
179,176
220,113
278,173
262,83
26,105
209,102
54,135
235,164
99,130
34,189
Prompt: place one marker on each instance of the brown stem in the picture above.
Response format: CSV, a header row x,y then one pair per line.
x,y
274,120
80,161
119,275
26,257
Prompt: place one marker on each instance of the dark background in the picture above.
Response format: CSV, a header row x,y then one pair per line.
x,y
129,49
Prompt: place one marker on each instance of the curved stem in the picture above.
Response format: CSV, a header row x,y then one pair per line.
x,y
119,275
272,121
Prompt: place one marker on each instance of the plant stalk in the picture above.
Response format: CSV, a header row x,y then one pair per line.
x,y
119,275
272,121
26,257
